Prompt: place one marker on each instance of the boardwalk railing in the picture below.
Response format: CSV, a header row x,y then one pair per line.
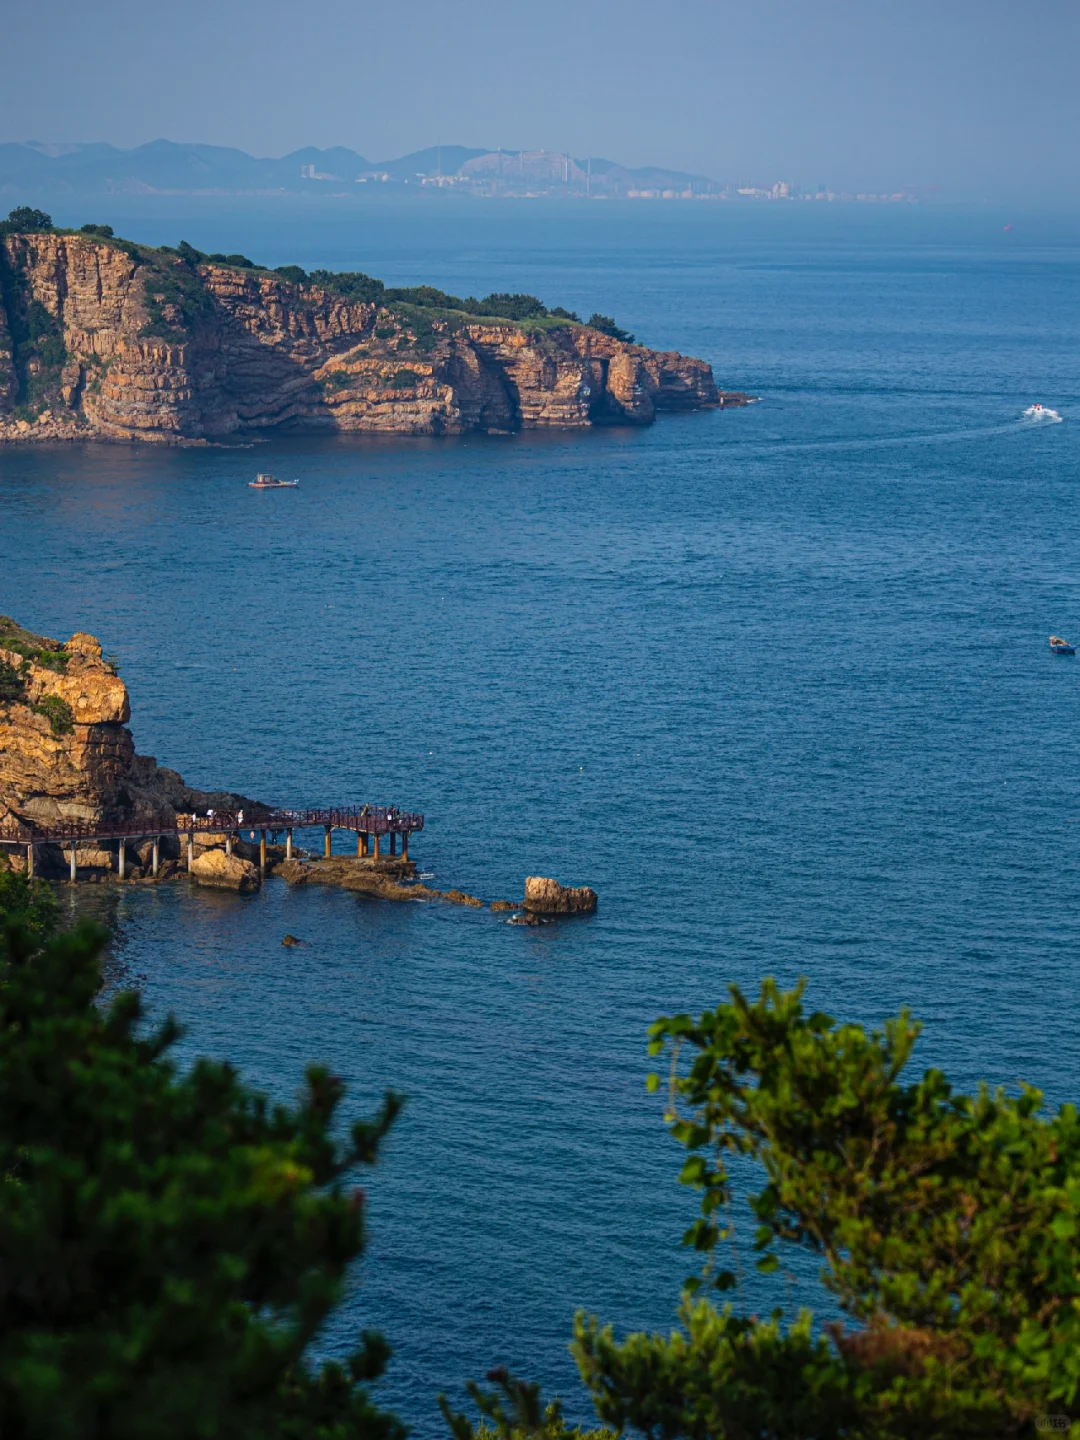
x,y
363,819
371,823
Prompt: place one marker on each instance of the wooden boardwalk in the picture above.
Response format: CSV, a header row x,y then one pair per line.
x,y
372,824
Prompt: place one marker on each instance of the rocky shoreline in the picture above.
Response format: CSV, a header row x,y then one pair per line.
x,y
68,759
101,339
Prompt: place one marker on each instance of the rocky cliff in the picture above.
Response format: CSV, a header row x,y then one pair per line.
x,y
65,750
103,339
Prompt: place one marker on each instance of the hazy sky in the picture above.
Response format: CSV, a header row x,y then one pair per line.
x,y
981,97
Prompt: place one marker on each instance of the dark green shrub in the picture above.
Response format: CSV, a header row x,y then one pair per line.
x,y
606,325
293,273
25,217
12,685
404,380
58,713
104,231
171,1242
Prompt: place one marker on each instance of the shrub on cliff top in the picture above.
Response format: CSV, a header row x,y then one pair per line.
x,y
170,1244
104,231
25,217
606,325
34,649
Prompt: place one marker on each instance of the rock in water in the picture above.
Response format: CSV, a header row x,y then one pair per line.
x,y
290,940
226,872
548,897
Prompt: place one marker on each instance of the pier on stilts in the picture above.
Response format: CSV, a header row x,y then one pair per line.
x,y
373,826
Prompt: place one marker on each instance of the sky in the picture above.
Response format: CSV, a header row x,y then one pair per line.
x,y
978,97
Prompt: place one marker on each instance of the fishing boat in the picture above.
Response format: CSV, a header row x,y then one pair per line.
x,y
268,482
1060,646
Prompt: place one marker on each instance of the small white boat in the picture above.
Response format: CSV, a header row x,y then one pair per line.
x,y
1040,412
268,482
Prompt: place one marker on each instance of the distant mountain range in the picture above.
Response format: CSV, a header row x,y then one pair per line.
x,y
32,170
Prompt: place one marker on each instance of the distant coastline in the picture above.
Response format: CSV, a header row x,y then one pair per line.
x,y
30,170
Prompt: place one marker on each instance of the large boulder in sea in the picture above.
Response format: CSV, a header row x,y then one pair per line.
x,y
548,897
225,872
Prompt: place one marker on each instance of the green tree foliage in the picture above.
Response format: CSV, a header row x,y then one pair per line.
x,y
170,1244
295,274
25,903
12,684
513,1411
606,325
503,306
105,232
946,1223
25,217
239,262
58,713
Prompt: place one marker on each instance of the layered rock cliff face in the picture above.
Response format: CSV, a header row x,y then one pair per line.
x,y
102,339
65,750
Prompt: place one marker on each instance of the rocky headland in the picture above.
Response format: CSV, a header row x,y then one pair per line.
x,y
67,755
102,339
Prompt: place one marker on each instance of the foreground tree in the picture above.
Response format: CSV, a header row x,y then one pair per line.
x,y
947,1225
170,1245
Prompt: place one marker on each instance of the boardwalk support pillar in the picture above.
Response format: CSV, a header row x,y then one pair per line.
x,y
30,859
228,842
262,852
378,839
74,865
326,843
288,844
190,849
405,845
155,857
121,860
361,848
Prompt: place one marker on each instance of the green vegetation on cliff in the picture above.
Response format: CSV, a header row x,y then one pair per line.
x,y
177,300
38,354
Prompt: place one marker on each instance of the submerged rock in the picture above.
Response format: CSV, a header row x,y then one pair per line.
x,y
548,897
226,872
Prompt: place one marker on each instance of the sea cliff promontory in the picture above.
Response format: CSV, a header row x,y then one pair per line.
x,y
66,753
104,339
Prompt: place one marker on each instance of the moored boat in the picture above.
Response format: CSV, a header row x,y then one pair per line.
x,y
1060,646
268,482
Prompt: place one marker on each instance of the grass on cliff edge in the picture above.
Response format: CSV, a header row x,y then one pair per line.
x,y
170,288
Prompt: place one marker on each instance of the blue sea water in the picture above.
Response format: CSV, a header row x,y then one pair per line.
x,y
775,681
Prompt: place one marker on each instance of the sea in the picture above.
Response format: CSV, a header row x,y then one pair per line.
x,y
775,681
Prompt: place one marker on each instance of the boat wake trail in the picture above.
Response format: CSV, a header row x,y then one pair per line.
x,y
936,437
1041,415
